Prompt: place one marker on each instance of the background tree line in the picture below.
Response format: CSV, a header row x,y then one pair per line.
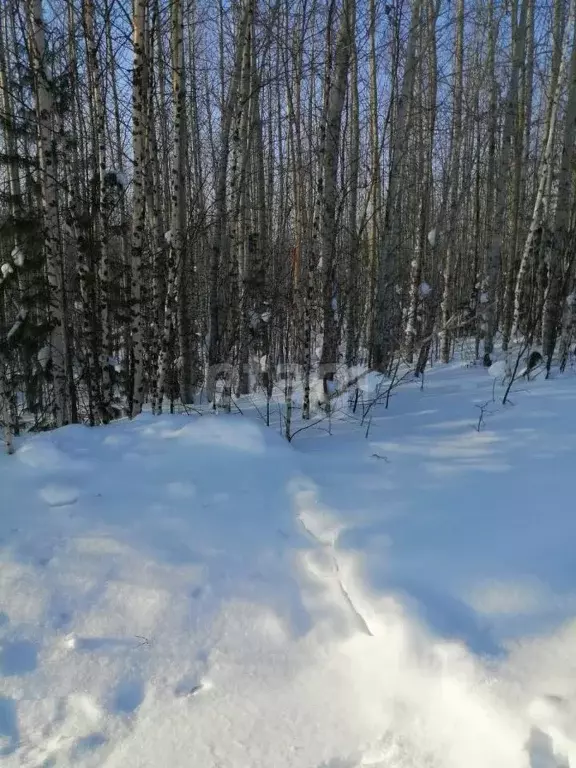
x,y
188,186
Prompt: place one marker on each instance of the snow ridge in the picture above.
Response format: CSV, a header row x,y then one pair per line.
x,y
314,523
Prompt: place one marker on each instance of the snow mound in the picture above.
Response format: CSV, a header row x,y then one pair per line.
x,y
41,454
58,495
225,433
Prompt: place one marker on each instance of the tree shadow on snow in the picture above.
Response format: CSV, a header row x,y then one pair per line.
x,y
9,736
449,617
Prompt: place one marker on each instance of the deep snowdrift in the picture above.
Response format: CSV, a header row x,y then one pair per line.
x,y
192,591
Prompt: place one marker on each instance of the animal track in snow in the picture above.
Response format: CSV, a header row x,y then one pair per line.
x,y
61,620
188,687
104,644
75,731
87,744
128,696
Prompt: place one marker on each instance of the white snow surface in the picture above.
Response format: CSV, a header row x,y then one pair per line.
x,y
194,591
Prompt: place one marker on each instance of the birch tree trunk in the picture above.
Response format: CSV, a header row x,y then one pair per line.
x,y
482,296
139,96
353,292
380,342
455,153
101,377
177,201
424,181
494,262
10,141
220,247
375,195
546,164
557,251
48,179
335,105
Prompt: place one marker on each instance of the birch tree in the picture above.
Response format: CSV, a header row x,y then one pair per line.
x,y
494,260
380,341
455,155
557,251
139,95
49,190
546,163
337,85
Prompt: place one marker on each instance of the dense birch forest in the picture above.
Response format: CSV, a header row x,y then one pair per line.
x,y
234,195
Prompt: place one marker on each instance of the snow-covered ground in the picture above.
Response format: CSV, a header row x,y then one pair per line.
x,y
194,591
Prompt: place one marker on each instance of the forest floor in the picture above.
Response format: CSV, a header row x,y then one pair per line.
x,y
195,591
